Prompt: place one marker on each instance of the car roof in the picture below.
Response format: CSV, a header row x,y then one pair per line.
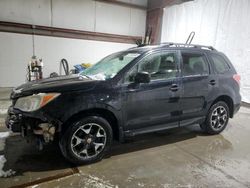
x,y
173,46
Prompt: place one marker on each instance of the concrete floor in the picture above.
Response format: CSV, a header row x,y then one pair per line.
x,y
175,158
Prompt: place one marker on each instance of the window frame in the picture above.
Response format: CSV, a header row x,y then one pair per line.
x,y
214,65
197,53
177,58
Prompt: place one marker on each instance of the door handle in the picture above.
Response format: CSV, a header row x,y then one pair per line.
x,y
174,87
212,82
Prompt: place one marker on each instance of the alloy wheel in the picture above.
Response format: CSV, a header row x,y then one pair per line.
x,y
88,140
219,118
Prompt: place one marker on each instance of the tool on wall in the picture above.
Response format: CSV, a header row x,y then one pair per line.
x,y
35,65
190,38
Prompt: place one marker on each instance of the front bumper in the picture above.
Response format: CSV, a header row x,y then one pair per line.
x,y
14,120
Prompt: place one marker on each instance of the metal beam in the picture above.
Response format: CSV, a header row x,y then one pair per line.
x,y
65,33
154,21
120,3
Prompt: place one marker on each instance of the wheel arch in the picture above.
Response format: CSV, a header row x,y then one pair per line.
x,y
228,100
104,113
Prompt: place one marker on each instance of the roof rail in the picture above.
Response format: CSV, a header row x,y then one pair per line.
x,y
180,45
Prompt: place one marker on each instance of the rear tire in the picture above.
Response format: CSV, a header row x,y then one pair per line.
x,y
217,118
87,140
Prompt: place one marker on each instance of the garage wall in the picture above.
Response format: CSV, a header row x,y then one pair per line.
x,y
16,51
88,15
223,24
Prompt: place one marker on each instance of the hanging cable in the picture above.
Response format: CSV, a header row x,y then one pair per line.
x,y
33,39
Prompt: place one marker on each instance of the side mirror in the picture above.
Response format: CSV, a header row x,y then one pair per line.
x,y
142,77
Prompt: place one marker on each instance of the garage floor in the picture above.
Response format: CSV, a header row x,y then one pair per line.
x,y
176,158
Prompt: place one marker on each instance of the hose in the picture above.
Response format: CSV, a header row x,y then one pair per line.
x,y
65,65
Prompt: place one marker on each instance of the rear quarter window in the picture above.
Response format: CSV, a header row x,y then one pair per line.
x,y
219,63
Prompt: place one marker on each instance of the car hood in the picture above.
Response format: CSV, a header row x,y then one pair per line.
x,y
57,84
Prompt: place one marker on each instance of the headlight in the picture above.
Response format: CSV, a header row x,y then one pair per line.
x,y
34,102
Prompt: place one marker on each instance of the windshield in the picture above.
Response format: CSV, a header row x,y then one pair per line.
x,y
109,67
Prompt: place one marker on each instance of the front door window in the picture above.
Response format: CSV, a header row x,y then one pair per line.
x,y
160,66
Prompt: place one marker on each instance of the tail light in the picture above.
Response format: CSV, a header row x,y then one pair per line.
x,y
236,77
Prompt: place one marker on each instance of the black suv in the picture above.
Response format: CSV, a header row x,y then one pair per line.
x,y
140,90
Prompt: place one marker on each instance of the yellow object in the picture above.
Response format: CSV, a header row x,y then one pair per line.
x,y
86,65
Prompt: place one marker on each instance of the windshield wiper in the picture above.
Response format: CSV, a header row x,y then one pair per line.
x,y
84,75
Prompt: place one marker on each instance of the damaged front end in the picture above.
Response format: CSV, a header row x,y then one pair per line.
x,y
26,117
46,130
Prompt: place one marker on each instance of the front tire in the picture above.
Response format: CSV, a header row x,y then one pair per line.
x,y
87,140
217,118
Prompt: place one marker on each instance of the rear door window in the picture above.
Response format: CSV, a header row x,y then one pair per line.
x,y
219,63
194,64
